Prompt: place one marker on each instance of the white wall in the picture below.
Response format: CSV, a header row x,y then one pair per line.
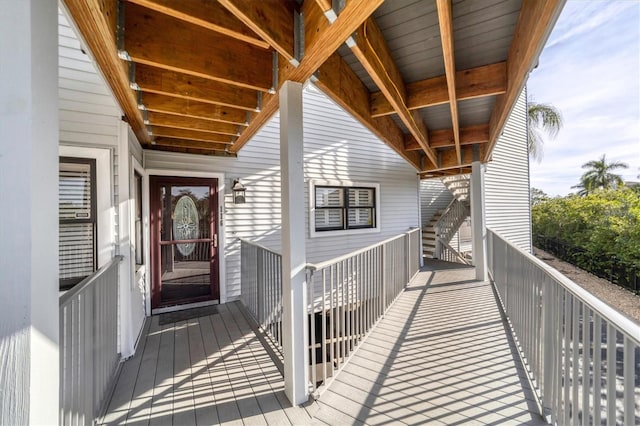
x,y
337,147
507,181
29,366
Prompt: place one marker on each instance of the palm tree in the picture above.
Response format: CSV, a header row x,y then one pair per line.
x,y
599,175
544,117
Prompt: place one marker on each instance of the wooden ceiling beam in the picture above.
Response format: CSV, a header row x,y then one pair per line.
x,y
444,138
191,144
170,83
445,19
338,81
322,39
194,135
187,48
188,123
535,22
188,108
206,14
98,28
487,80
448,159
271,19
373,53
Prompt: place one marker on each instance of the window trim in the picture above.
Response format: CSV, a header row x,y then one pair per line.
x,y
313,183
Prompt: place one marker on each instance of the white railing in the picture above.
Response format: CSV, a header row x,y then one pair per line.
x,y
349,294
449,254
88,344
582,355
449,223
261,287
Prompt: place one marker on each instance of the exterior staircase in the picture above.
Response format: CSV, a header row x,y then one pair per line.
x,y
444,225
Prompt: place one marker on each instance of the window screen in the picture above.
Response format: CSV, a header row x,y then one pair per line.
x,y
77,216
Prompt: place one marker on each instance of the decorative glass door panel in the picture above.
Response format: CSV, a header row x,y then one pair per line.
x,y
184,227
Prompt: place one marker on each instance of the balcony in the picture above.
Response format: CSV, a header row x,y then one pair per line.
x,y
438,350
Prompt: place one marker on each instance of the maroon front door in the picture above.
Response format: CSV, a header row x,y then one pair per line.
x,y
184,240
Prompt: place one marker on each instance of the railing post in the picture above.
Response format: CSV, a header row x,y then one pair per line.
x,y
383,270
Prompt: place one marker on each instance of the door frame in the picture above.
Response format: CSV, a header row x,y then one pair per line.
x,y
220,227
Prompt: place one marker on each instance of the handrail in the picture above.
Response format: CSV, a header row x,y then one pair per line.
x,y
625,325
260,246
316,266
71,293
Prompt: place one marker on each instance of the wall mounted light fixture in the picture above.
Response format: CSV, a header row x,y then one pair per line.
x,y
238,192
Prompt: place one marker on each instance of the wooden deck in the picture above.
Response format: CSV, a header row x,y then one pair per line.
x,y
440,356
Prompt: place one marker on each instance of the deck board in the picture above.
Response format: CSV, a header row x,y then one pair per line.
x,y
441,355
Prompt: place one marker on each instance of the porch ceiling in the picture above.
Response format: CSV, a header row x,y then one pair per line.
x,y
434,79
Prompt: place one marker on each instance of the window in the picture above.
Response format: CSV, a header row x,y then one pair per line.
x,y
344,208
137,193
77,220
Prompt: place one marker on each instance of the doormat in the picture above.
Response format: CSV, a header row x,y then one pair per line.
x,y
177,316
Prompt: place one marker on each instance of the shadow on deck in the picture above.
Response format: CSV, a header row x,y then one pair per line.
x,y
441,355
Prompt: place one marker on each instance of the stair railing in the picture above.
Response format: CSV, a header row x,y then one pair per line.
x,y
449,224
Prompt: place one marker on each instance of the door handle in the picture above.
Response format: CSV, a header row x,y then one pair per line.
x,y
215,240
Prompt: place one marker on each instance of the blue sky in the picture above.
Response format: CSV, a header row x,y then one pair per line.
x,y
590,70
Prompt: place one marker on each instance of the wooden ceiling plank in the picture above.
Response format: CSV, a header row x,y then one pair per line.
x,y
170,83
188,123
195,135
444,138
97,27
270,19
487,80
207,14
373,53
322,39
186,143
193,50
448,159
188,108
445,19
535,22
338,81
191,151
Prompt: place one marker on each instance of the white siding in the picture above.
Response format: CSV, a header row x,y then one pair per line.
x,y
91,118
337,147
507,181
434,197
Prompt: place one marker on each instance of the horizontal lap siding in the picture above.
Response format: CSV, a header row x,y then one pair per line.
x,y
336,147
88,113
507,181
434,197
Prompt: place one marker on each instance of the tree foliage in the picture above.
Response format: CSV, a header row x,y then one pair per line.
x,y
599,175
603,222
541,117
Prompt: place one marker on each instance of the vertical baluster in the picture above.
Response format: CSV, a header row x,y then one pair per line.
x,y
597,368
312,332
567,358
342,315
324,326
332,318
611,374
628,403
586,363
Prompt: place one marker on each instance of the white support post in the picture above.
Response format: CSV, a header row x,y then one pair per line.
x,y
29,366
126,271
294,286
479,240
